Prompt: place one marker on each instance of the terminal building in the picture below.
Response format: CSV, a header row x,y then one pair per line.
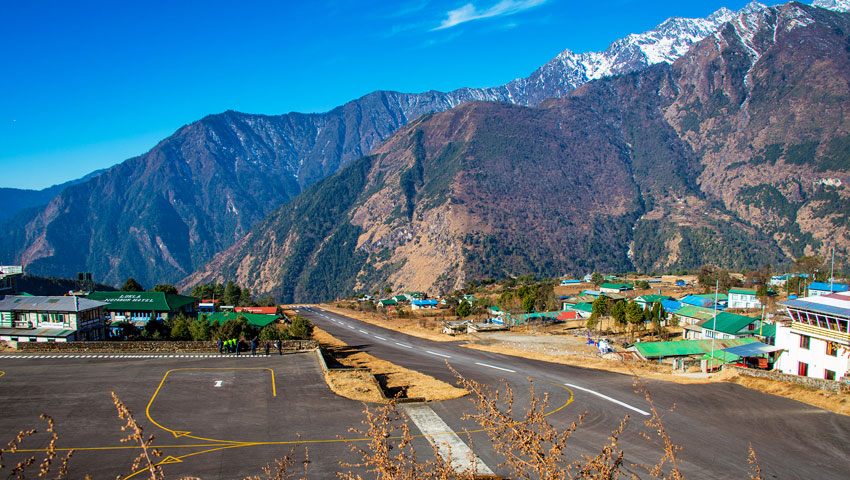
x,y
25,318
139,308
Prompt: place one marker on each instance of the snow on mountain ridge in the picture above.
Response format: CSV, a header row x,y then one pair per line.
x,y
666,43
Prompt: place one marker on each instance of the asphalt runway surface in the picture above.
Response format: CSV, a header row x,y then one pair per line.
x,y
224,417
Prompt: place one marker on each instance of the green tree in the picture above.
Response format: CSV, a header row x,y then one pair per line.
x,y
131,285
245,299
200,329
528,302
271,333
266,301
165,288
674,321
236,328
618,312
634,315
600,306
155,330
464,309
231,294
642,285
180,328
301,328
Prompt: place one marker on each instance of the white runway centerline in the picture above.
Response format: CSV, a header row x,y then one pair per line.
x,y
403,345
438,354
612,400
497,368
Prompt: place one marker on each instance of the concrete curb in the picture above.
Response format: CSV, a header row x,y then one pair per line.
x,y
374,380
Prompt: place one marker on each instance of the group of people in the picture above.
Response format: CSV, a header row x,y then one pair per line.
x,y
232,346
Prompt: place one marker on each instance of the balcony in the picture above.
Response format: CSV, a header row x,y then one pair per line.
x,y
812,330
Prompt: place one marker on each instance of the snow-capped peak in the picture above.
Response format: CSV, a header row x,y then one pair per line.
x,y
837,5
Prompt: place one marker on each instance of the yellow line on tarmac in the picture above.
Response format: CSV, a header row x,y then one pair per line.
x,y
178,433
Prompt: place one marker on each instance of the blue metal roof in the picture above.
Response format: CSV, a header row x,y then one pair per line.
x,y
751,349
670,306
817,307
824,287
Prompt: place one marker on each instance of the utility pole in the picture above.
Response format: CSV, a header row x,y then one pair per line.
x,y
832,271
714,327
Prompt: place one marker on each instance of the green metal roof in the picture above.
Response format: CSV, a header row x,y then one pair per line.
x,y
683,348
616,286
141,301
743,291
651,299
258,320
730,323
698,313
391,301
581,307
766,330
721,297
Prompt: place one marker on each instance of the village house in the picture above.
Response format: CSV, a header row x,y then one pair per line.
x,y
25,318
823,288
725,326
424,304
743,298
615,288
816,342
258,320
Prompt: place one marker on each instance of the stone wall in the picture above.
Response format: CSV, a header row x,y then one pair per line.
x,y
144,347
820,383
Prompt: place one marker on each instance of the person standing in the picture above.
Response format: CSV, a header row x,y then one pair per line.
x,y
220,347
279,351
268,344
236,346
253,346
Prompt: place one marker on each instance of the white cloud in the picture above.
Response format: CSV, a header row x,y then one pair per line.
x,y
470,12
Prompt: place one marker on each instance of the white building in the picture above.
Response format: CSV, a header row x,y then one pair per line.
x,y
823,288
743,298
817,343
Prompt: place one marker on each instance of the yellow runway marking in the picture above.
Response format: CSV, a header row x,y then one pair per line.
x,y
217,445
180,433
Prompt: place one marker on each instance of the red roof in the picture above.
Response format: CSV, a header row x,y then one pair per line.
x,y
265,310
568,315
209,300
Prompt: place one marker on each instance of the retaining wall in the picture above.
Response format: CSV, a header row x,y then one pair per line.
x,y
829,385
147,347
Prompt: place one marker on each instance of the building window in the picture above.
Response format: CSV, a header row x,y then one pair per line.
x,y
803,369
832,349
804,341
829,375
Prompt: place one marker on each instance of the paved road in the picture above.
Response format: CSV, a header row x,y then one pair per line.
x,y
224,417
714,423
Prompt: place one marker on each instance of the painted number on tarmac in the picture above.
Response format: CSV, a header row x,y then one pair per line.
x,y
218,383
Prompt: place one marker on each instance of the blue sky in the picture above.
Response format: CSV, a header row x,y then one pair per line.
x,y
87,84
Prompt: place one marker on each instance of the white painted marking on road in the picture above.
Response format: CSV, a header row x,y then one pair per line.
x,y
351,327
497,368
380,338
613,400
218,383
438,354
448,444
403,345
363,331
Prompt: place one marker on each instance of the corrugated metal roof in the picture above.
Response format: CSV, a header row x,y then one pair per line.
x,y
257,319
27,303
805,304
730,323
824,287
683,348
36,332
142,301
751,349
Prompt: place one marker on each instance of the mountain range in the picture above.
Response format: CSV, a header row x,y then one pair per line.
x,y
209,187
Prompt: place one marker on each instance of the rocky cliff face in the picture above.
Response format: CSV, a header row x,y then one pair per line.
x,y
737,154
